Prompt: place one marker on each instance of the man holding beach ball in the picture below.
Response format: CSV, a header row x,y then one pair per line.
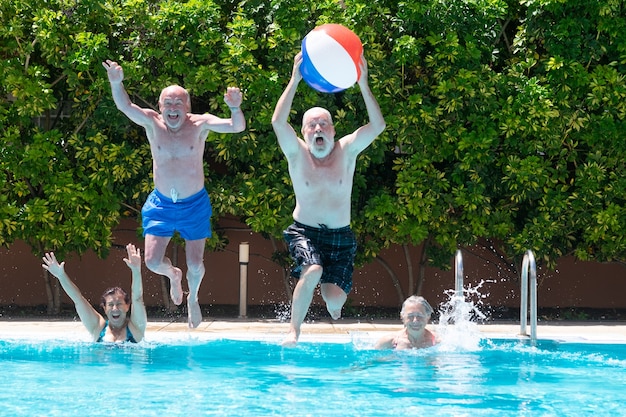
x,y
320,240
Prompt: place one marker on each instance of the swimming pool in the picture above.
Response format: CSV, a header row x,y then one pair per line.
x,y
193,377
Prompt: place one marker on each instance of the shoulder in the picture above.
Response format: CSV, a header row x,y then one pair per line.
x,y
357,141
349,148
431,337
203,119
149,114
142,116
204,123
293,147
388,341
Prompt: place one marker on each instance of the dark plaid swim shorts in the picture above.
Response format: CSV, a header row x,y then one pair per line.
x,y
333,249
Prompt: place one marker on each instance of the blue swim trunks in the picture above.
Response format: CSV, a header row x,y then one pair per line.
x,y
190,216
333,249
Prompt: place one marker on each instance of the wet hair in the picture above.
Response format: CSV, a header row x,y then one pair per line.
x,y
416,300
111,291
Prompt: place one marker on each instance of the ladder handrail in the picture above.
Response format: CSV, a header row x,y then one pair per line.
x,y
529,273
458,274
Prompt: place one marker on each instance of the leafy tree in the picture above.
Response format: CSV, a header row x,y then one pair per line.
x,y
505,120
63,180
565,176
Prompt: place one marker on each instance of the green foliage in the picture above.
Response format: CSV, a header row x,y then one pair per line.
x,y
505,119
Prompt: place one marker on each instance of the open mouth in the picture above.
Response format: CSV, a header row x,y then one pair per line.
x,y
319,140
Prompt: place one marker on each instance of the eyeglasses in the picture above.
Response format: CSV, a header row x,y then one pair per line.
x,y
313,124
418,316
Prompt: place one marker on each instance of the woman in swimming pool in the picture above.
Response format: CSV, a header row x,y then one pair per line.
x,y
415,315
116,325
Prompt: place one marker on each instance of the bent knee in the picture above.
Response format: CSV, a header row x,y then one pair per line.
x,y
332,293
196,268
153,263
312,271
311,275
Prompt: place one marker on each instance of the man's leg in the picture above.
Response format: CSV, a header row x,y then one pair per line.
x,y
302,297
156,261
335,298
194,250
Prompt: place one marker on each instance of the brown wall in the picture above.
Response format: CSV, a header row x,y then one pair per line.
x,y
572,284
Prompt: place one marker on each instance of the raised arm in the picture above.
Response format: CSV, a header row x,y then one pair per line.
x,y
233,99
237,121
142,117
287,136
365,135
138,315
90,318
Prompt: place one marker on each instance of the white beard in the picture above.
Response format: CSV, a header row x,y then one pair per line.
x,y
321,153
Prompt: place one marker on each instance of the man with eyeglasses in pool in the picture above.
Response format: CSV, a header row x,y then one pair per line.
x,y
322,171
415,315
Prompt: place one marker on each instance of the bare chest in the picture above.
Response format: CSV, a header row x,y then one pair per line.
x,y
185,143
330,177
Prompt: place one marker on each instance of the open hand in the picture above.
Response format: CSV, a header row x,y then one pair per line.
x,y
51,265
296,75
134,257
233,97
114,71
363,67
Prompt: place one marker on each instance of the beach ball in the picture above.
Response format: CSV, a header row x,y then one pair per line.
x,y
331,55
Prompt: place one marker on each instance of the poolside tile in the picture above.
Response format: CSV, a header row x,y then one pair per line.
x,y
613,332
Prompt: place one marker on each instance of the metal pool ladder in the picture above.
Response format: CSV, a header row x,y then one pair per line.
x,y
529,273
458,274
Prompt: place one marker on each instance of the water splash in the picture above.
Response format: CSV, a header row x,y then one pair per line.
x,y
283,312
457,329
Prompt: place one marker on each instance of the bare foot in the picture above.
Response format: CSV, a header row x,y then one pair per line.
x,y
176,287
291,340
336,314
194,313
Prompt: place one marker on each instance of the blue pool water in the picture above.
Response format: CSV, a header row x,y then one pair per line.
x,y
260,378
